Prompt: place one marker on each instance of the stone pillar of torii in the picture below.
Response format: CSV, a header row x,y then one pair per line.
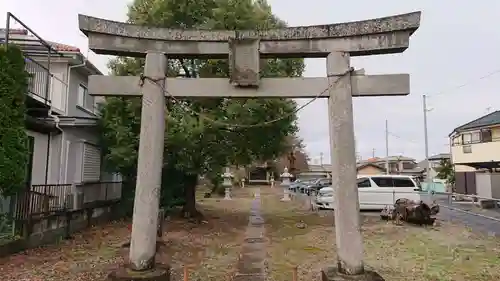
x,y
337,42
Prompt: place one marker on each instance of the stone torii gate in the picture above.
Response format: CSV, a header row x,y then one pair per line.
x,y
336,42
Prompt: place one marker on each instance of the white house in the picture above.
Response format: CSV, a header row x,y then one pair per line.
x,y
62,116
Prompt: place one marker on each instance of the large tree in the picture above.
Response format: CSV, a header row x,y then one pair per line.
x,y
202,135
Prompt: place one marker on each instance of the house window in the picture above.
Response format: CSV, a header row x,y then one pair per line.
x,y
85,100
456,140
408,165
91,168
82,92
486,136
475,137
466,138
466,149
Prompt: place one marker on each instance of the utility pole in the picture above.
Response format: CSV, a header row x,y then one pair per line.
x,y
373,153
428,166
321,159
387,171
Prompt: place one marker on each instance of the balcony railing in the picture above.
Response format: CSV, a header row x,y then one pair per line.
x,y
45,86
39,80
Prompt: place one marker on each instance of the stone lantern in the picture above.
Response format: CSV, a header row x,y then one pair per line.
x,y
285,182
227,183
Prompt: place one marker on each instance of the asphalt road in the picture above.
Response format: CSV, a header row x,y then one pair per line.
x,y
477,223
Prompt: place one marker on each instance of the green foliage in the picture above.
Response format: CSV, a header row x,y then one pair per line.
x,y
193,144
445,171
13,138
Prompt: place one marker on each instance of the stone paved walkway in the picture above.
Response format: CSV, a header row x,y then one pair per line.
x,y
251,264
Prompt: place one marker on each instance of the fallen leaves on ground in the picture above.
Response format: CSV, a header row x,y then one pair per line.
x,y
449,252
209,249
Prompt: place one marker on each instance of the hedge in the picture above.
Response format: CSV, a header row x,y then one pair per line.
x,y
13,138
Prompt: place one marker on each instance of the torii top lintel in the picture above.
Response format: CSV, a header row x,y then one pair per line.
x,y
368,37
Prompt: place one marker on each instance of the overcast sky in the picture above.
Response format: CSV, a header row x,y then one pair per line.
x,y
458,43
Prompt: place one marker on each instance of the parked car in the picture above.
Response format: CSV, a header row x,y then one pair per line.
x,y
294,186
378,191
315,186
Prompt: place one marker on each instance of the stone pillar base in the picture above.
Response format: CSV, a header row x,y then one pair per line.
x,y
160,272
332,274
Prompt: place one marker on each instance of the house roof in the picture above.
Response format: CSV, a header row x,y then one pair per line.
x,y
390,158
483,121
328,167
30,41
362,165
440,156
22,34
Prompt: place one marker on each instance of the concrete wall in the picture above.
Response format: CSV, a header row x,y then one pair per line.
x,y
65,155
78,77
53,229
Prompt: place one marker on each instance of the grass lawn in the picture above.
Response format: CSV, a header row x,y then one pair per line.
x,y
445,252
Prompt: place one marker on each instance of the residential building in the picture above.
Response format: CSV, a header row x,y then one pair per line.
x,y
475,147
397,164
435,163
370,169
61,117
362,169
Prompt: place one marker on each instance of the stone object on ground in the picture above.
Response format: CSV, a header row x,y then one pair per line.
x,y
332,274
228,178
227,193
406,210
300,225
285,183
160,272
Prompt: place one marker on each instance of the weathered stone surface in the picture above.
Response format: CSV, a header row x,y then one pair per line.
x,y
332,274
255,240
254,220
160,272
377,36
251,262
301,87
244,62
409,22
254,231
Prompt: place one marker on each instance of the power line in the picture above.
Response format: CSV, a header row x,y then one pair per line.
x,y
466,84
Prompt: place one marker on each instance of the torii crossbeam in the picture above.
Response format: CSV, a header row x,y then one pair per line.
x,y
245,49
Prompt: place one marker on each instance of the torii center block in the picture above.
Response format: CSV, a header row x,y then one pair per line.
x,y
244,60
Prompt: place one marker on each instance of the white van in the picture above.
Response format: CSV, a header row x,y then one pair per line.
x,y
378,191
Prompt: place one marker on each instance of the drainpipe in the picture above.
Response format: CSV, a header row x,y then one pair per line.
x,y
56,121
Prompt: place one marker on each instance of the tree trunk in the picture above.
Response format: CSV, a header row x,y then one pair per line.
x,y
189,210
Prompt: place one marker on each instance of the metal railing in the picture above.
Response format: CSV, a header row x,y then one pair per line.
x,y
42,199
48,199
39,79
